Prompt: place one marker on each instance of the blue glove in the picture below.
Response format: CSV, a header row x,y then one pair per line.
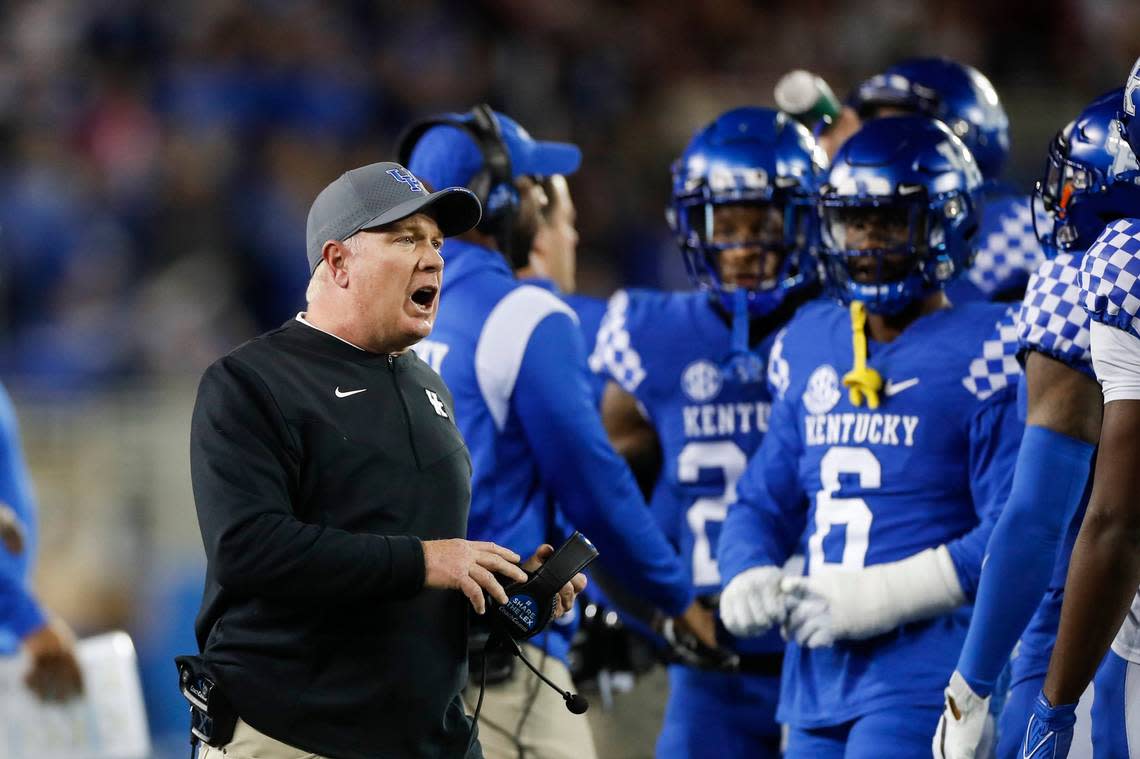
x,y
1050,730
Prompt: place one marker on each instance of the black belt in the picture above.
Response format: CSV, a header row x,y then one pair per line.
x,y
769,665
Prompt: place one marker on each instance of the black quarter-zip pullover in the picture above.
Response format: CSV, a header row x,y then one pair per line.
x,y
318,468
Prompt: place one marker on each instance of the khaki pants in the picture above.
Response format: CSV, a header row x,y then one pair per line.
x,y
523,718
248,743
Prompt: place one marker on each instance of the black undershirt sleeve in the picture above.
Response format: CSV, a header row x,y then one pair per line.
x,y
242,459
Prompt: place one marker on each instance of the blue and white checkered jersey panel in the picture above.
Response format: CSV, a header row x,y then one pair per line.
x,y
1051,320
1008,251
997,366
613,354
1110,276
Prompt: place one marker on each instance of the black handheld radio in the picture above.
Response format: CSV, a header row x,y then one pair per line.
x,y
530,605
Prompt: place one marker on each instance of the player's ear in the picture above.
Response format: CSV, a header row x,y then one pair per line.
x,y
336,254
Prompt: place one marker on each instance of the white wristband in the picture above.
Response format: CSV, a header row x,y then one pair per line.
x,y
921,586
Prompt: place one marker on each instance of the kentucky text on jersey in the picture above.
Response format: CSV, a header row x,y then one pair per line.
x,y
873,428
720,419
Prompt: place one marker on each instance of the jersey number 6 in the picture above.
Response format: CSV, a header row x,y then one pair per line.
x,y
853,513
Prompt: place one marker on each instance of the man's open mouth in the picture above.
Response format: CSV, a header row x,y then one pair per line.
x,y
425,296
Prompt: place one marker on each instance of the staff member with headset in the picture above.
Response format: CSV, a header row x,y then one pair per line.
x,y
514,358
332,489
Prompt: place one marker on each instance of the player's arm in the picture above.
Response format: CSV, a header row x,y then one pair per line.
x,y
1050,476
243,460
591,483
632,435
762,529
1104,571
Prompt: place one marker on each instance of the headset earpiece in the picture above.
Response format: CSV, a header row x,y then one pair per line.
x,y
493,184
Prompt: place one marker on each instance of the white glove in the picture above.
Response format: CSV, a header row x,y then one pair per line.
x,y
852,604
962,730
809,622
752,602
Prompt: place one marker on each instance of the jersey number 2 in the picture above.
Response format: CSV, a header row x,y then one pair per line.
x,y
853,513
727,457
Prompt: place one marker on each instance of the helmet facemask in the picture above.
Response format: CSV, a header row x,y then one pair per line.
x,y
760,241
890,251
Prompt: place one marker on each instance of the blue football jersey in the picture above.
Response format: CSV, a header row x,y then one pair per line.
x,y
1051,320
667,351
931,466
670,351
1006,253
1110,276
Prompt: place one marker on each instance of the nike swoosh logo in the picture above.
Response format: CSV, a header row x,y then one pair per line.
x,y
894,388
339,394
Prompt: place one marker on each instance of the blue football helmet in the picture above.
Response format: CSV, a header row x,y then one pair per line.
x,y
899,208
748,156
1088,179
959,96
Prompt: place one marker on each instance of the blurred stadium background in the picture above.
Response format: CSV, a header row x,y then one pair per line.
x,y
157,161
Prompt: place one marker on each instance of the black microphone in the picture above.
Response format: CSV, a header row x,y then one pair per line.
x,y
575,703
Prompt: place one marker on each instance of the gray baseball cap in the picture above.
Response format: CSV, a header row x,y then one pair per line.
x,y
379,194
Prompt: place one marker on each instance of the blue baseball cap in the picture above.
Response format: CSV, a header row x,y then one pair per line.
x,y
447,156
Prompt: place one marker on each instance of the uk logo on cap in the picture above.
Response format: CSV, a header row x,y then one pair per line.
x,y
405,176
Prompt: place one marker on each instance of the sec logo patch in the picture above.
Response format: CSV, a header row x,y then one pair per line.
x,y
701,381
822,392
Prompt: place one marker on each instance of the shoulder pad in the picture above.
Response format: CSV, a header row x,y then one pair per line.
x,y
1051,320
1110,276
996,367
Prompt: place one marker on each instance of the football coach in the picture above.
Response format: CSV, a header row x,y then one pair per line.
x,y
332,489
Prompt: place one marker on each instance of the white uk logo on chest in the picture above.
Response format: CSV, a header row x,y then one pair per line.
x,y
436,403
